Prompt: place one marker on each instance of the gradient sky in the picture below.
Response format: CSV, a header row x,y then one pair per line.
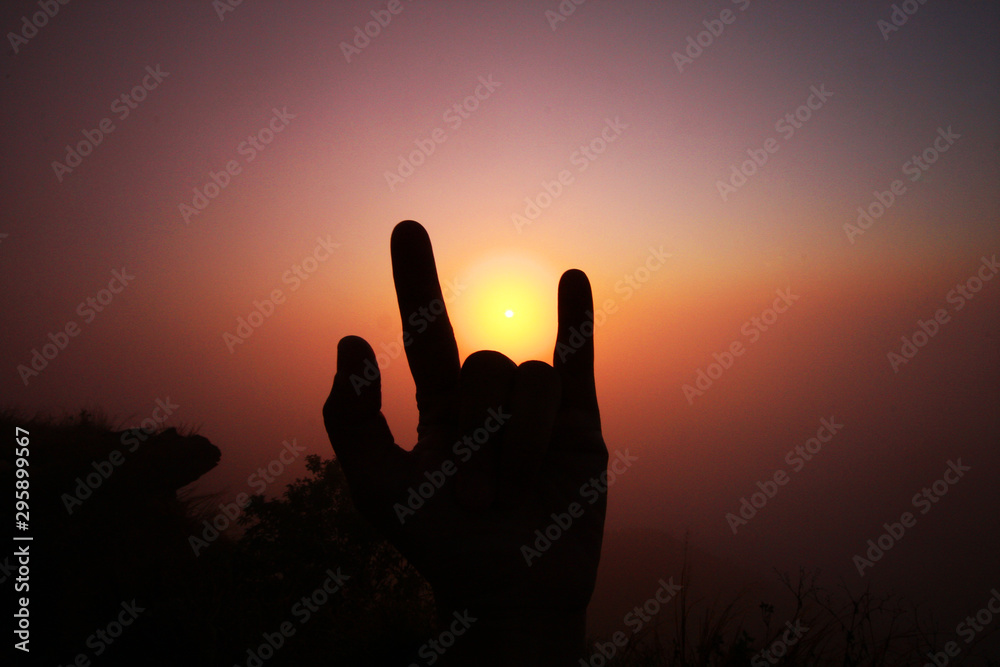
x,y
652,191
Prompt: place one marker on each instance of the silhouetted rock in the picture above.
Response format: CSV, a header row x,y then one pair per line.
x,y
109,537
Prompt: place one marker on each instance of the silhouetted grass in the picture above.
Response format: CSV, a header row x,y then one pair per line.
x,y
843,627
131,540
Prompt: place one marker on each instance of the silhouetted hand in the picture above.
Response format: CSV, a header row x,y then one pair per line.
x,y
501,449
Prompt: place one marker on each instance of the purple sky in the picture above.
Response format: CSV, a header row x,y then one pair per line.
x,y
250,155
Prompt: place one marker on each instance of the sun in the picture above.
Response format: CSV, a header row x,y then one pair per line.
x,y
509,305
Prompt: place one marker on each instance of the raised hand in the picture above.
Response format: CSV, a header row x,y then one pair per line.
x,y
501,502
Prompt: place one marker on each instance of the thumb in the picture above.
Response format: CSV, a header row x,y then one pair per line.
x,y
352,414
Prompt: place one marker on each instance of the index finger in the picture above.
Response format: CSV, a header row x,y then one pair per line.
x,y
431,350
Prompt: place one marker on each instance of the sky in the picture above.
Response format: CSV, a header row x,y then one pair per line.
x,y
773,201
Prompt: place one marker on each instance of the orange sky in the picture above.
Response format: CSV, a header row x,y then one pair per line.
x,y
622,155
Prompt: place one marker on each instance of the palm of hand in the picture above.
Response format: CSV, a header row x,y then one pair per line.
x,y
500,505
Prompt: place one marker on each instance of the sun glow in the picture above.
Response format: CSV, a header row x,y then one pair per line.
x,y
509,306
